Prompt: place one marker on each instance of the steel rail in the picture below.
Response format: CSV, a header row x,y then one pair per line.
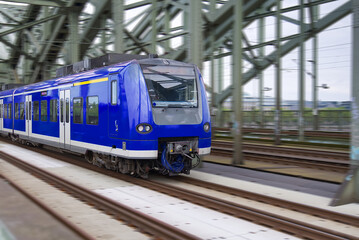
x,y
145,223
78,231
312,152
285,224
277,222
326,134
281,223
288,159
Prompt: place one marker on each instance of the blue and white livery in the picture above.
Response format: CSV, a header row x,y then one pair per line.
x,y
132,117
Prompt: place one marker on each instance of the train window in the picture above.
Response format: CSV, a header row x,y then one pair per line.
x,y
5,110
92,110
78,110
17,113
30,111
22,111
67,110
44,110
10,110
36,110
53,110
62,110
1,111
27,110
114,92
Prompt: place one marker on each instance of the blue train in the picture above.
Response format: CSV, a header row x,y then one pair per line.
x,y
135,114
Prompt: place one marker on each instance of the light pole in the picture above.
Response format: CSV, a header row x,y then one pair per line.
x,y
315,105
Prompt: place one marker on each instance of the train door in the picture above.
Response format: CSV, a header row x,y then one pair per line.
x,y
28,112
64,112
114,106
1,114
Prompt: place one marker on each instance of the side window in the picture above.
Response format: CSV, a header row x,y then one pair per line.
x,y
53,110
62,110
114,92
22,115
77,110
28,110
44,110
92,110
10,110
1,111
17,113
67,110
5,110
36,110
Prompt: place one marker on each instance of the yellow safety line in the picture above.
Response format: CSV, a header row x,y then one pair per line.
x,y
91,81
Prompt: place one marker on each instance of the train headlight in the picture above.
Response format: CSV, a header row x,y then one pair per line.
x,y
144,128
206,127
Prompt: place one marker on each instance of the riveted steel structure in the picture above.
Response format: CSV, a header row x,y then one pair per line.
x,y
38,36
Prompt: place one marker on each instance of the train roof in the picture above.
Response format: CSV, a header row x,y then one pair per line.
x,y
88,75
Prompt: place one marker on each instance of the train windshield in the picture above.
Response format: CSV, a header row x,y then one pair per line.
x,y
171,86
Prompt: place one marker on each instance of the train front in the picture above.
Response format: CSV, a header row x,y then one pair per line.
x,y
180,113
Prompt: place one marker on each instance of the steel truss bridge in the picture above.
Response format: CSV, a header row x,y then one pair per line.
x,y
38,36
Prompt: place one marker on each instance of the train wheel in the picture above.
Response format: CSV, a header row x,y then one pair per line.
x,y
89,156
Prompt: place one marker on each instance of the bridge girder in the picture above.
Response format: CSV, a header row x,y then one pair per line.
x,y
138,37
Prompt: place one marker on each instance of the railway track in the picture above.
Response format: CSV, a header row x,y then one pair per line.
x,y
78,231
320,134
143,222
285,224
319,159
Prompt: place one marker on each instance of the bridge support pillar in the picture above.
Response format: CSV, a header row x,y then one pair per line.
x,y
237,82
117,17
349,190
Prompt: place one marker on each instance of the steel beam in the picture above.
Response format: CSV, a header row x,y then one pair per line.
x,y
261,35
118,19
195,33
52,3
153,28
220,87
31,14
92,28
237,82
314,13
213,11
167,28
137,4
10,18
31,24
349,189
285,10
74,36
301,77
15,48
53,47
278,78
